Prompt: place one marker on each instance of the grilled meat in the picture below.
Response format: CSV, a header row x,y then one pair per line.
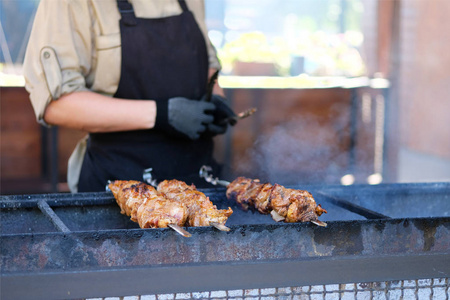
x,y
285,204
202,212
146,206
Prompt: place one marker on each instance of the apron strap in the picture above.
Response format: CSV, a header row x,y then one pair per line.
x,y
183,5
127,12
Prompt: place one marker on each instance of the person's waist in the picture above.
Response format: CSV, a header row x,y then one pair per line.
x,y
143,137
124,136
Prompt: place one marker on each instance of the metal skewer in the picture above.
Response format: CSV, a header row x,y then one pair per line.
x,y
244,114
210,86
219,226
319,223
180,230
215,181
204,173
147,175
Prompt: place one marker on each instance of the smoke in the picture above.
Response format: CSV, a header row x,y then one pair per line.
x,y
302,150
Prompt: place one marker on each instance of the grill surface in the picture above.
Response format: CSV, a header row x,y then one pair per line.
x,y
79,245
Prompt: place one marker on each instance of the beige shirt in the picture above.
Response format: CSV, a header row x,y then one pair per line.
x,y
75,46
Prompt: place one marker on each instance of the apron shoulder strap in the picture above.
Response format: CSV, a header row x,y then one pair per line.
x,y
127,12
183,5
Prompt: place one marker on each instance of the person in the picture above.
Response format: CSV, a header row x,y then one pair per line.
x,y
134,75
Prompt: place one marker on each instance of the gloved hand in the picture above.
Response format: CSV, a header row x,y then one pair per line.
x,y
221,114
184,117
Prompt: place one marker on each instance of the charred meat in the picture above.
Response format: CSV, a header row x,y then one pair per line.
x,y
284,204
146,206
201,211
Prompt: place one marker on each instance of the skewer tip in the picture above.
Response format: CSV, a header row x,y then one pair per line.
x,y
319,223
221,227
180,230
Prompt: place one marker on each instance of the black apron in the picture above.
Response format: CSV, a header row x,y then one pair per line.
x,y
161,58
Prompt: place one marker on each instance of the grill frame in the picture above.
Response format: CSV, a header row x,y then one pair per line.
x,y
276,255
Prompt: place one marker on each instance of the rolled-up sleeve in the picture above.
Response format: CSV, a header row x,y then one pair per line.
x,y
198,9
58,56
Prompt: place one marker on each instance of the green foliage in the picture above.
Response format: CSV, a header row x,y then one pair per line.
x,y
324,54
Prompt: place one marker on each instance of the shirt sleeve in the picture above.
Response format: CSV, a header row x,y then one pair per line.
x,y
198,9
73,42
58,54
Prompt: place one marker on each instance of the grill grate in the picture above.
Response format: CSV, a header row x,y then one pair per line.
x,y
424,289
80,246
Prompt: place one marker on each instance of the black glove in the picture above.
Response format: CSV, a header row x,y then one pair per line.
x,y
223,115
184,117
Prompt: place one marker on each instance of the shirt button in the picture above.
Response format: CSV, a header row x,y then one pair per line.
x,y
46,54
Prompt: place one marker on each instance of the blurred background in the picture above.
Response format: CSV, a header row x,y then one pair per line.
x,y
346,91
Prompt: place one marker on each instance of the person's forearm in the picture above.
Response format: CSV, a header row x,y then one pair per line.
x,y
92,112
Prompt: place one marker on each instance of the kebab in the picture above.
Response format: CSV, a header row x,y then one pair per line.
x,y
284,204
148,207
201,211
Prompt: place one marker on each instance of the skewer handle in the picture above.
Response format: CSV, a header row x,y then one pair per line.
x,y
107,189
148,177
242,115
209,178
210,87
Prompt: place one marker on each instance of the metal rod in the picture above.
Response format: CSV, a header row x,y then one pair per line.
x,y
48,211
353,130
203,173
44,152
219,226
54,159
242,115
210,86
180,230
367,213
57,200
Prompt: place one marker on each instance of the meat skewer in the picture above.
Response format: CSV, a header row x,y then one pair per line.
x,y
148,207
284,204
201,211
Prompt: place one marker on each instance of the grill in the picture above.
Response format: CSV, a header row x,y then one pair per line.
x,y
384,239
